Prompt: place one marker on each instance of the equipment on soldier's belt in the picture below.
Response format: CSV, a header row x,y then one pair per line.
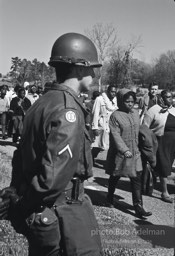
x,y
74,48
75,189
76,217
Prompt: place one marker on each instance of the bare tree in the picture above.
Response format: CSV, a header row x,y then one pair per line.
x,y
120,63
164,69
105,39
128,55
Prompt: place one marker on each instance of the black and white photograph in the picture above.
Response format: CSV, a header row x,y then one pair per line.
x,y
87,128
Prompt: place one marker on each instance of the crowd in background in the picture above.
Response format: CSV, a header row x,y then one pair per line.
x,y
113,123
14,102
138,135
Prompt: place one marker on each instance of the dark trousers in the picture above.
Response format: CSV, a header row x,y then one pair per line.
x,y
17,124
95,151
3,123
136,186
9,124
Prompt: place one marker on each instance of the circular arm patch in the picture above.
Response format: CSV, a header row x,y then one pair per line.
x,y
71,116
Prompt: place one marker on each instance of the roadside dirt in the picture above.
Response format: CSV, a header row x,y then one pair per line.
x,y
121,232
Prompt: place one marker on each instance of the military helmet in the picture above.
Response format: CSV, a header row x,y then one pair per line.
x,y
74,48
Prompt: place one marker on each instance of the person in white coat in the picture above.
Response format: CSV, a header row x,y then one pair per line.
x,y
32,95
104,106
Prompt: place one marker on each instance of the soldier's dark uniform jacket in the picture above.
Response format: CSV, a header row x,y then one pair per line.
x,y
55,147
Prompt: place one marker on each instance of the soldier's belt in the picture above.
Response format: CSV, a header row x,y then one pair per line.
x,y
73,194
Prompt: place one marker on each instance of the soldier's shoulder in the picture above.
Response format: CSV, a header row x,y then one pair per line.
x,y
70,100
61,98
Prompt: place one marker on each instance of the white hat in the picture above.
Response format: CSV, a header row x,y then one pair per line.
x,y
26,84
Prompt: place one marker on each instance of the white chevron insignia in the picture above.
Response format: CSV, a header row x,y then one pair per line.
x,y
64,149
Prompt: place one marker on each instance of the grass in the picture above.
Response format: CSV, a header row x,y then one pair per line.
x,y
13,244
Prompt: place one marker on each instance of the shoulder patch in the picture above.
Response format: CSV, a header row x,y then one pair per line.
x,y
71,116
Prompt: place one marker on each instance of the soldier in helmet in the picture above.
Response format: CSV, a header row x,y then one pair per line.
x,y
54,158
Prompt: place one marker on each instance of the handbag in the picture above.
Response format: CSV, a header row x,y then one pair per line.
x,y
148,179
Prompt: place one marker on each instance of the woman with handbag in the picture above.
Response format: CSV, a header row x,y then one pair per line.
x,y
161,120
123,158
148,148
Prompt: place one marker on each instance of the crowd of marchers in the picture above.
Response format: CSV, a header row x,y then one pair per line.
x,y
139,141
14,102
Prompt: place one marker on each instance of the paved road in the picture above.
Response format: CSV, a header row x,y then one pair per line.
x,y
157,231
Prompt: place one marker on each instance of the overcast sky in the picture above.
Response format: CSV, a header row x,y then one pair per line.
x,y
28,28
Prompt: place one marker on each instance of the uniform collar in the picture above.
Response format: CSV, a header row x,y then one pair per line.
x,y
63,87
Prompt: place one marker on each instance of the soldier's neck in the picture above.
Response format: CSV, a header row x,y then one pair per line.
x,y
74,84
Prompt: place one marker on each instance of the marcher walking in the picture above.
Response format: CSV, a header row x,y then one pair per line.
x,y
161,119
4,107
103,107
123,158
148,100
32,94
89,106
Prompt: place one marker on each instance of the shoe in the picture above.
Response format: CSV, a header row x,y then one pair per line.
x,y
110,205
140,212
167,199
4,137
109,202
